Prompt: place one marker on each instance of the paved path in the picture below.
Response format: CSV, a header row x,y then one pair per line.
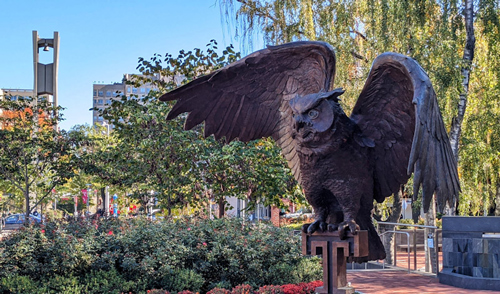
x,y
396,281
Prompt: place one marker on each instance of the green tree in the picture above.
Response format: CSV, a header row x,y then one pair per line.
x,y
439,34
34,156
183,167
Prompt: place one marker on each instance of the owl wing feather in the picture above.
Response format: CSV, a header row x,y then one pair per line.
x,y
398,110
249,99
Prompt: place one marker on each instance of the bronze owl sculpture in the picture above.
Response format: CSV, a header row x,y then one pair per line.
x,y
342,163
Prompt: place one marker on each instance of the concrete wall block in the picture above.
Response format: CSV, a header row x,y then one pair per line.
x,y
477,272
496,260
459,245
447,245
496,266
487,272
448,259
457,258
477,245
467,271
471,224
482,260
493,246
468,259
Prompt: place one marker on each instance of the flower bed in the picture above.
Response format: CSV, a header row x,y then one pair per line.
x,y
117,256
301,288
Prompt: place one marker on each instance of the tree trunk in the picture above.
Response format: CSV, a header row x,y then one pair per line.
x,y
169,208
28,209
456,126
470,43
430,253
497,200
393,217
222,207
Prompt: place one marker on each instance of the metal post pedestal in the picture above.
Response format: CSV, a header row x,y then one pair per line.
x,y
335,251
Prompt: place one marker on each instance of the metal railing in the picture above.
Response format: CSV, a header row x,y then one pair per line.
x,y
431,244
407,241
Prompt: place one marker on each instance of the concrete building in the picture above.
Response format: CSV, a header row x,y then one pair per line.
x,y
104,94
15,94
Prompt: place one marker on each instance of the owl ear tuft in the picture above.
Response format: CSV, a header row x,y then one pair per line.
x,y
333,95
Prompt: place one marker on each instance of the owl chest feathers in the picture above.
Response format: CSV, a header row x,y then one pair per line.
x,y
337,159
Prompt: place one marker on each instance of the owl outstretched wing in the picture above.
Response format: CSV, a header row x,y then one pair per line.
x,y
398,110
249,99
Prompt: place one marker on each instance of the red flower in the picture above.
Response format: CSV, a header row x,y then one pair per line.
x,y
204,244
110,233
189,229
43,231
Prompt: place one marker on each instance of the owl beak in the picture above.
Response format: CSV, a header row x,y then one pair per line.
x,y
299,123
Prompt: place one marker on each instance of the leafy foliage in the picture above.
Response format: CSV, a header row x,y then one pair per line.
x,y
432,32
151,153
34,156
136,255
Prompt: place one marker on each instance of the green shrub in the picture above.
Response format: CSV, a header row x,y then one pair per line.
x,y
177,280
138,254
405,221
308,269
21,285
295,226
107,282
67,285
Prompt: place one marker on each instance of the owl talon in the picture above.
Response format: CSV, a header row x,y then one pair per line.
x,y
333,227
317,225
348,225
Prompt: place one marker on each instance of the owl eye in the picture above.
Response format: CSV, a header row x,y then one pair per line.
x,y
313,113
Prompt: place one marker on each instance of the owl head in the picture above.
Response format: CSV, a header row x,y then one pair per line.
x,y
313,115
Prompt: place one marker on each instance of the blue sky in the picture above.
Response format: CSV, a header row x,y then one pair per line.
x,y
100,41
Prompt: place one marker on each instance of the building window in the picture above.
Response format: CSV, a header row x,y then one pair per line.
x,y
101,93
100,101
143,90
95,92
128,89
108,93
95,101
108,101
134,90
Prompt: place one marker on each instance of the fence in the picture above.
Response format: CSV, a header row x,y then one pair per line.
x,y
423,244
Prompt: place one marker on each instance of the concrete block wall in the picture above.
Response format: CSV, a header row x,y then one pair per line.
x,y
471,259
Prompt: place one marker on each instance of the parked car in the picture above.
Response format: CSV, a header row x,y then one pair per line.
x,y
306,213
19,219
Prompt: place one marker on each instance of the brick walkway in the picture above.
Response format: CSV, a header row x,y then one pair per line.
x,y
395,281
